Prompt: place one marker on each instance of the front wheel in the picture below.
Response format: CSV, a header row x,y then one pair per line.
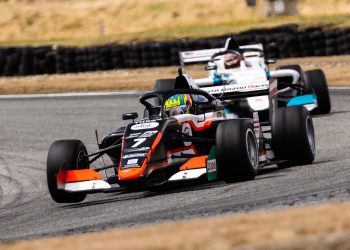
x,y
237,150
65,155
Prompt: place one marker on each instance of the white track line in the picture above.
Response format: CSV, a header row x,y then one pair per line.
x,y
87,94
97,94
339,88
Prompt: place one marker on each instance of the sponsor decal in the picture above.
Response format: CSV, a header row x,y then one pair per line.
x,y
142,126
273,87
130,166
236,87
145,121
138,141
132,161
149,133
136,155
257,128
211,165
219,114
146,134
133,136
130,150
186,129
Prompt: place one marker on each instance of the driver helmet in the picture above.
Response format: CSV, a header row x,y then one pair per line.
x,y
232,60
178,104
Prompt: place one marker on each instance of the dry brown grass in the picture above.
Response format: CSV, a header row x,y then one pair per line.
x,y
78,21
315,227
336,68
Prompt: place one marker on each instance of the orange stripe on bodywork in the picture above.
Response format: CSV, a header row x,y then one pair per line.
x,y
68,176
205,126
134,173
195,162
122,150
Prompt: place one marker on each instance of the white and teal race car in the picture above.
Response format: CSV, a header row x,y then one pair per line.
x,y
242,73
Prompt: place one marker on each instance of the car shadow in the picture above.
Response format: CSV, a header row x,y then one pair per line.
x,y
139,194
126,195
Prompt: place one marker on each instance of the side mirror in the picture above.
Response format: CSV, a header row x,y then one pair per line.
x,y
129,116
206,107
210,67
270,61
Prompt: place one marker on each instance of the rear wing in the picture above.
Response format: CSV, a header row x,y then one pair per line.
x,y
194,56
198,55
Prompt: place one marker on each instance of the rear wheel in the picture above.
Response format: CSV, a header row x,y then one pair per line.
x,y
65,155
316,80
237,150
293,136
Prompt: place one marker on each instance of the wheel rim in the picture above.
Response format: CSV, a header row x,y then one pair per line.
x,y
310,134
252,149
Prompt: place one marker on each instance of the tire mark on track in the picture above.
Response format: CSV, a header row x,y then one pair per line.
x,y
14,190
12,194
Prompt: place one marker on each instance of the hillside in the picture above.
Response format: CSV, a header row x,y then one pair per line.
x,y
83,22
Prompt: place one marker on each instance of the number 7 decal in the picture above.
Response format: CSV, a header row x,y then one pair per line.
x,y
138,142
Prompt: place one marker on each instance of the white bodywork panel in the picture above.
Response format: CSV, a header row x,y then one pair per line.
x,y
258,103
188,174
310,107
199,121
85,186
198,55
242,75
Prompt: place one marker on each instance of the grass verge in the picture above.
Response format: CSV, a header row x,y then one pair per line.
x,y
336,69
319,227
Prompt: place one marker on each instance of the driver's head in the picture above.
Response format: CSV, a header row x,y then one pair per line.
x,y
178,104
232,60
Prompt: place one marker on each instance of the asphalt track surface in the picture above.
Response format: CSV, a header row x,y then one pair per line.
x,y
29,126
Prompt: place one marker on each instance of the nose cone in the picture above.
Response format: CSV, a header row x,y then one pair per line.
x,y
139,143
130,174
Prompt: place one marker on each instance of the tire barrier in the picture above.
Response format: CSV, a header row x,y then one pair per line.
x,y
280,42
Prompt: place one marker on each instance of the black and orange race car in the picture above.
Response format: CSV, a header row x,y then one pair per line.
x,y
184,135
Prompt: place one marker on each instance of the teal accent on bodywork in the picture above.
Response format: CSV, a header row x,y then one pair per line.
x,y
217,80
268,74
302,100
227,111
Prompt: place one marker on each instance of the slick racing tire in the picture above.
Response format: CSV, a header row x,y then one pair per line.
x,y
63,155
237,150
293,136
316,81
